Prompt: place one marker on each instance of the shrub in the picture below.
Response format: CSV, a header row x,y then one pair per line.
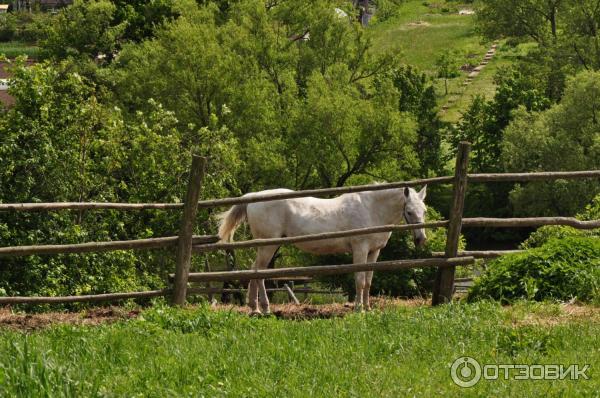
x,y
544,234
561,269
8,26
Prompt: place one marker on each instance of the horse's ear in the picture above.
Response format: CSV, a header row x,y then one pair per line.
x,y
406,192
423,193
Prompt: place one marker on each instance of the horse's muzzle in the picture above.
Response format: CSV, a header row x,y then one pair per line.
x,y
420,241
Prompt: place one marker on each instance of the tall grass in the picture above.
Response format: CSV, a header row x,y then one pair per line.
x,y
391,353
14,49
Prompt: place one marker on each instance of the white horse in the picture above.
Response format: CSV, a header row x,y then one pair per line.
x,y
306,216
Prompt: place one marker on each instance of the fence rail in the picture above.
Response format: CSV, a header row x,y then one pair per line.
x,y
480,253
479,178
187,244
97,247
326,269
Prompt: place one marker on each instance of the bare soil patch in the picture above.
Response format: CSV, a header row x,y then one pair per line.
x,y
418,24
308,311
32,322
101,315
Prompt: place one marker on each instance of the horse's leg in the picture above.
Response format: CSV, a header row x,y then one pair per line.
x,y
263,257
371,258
253,297
359,256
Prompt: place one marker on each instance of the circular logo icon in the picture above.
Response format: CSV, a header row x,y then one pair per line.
x,y
465,372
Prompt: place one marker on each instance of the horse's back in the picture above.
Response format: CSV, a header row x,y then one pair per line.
x,y
307,216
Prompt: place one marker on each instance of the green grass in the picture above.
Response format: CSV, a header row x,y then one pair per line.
x,y
460,97
14,49
391,353
421,33
421,44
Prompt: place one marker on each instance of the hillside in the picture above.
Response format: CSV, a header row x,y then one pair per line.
x,y
421,33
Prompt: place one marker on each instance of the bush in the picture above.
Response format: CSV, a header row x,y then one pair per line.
x,y
60,144
561,269
8,26
544,234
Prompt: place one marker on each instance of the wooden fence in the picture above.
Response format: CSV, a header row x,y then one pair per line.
x,y
186,243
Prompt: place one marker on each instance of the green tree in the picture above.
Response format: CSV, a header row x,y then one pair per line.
x,y
447,67
254,75
84,29
61,144
417,96
535,19
565,137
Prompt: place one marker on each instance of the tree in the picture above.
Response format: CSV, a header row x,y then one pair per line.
x,y
582,31
447,67
536,19
418,97
249,75
84,29
565,137
59,143
484,122
142,18
339,134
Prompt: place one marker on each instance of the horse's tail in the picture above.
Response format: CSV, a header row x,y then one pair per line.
x,y
230,220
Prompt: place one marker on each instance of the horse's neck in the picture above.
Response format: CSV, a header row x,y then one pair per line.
x,y
387,206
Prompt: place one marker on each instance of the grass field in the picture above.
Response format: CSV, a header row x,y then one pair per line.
x,y
421,33
401,350
14,49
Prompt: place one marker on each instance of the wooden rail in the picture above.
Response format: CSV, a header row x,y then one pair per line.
x,y
315,237
96,247
205,243
480,253
326,269
479,178
82,299
539,176
530,222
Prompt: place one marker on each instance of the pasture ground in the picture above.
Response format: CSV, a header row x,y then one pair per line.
x,y
421,33
13,49
400,349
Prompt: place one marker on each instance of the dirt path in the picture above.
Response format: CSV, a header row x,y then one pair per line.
x,y
486,60
489,56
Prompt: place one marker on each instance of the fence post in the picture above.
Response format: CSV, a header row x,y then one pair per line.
x,y
444,280
186,231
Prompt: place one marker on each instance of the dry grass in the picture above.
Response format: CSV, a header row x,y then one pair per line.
x,y
541,314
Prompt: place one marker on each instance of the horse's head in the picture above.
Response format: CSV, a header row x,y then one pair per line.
x,y
414,212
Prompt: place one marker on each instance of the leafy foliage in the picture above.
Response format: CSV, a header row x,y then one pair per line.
x,y
565,137
546,233
559,270
85,29
61,144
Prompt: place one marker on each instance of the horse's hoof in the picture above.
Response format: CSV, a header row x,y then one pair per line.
x,y
255,313
266,310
